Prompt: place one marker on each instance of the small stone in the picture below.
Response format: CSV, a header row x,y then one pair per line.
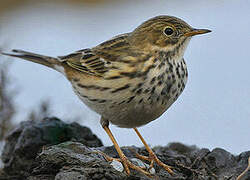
x,y
140,163
117,165
152,170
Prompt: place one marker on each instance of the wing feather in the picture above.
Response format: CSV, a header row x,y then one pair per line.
x,y
109,59
86,61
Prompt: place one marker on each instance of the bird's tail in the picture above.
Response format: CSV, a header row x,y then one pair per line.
x,y
37,58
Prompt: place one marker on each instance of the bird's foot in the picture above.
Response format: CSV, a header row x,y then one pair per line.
x,y
153,158
127,164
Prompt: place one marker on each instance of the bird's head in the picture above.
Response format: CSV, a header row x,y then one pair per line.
x,y
164,33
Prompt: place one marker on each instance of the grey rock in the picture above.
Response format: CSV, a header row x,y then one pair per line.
x,y
72,160
220,162
117,166
242,160
71,152
142,164
72,174
24,142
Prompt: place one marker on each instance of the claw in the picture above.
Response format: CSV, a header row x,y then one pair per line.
x,y
126,163
152,157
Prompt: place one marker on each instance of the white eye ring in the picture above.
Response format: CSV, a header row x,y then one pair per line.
x,y
168,31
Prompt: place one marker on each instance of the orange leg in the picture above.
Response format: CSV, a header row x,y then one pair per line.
x,y
152,157
126,163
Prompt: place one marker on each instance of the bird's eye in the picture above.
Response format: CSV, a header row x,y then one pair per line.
x,y
169,31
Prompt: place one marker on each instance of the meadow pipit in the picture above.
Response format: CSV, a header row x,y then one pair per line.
x,y
131,79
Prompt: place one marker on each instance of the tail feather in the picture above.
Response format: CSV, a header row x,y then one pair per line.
x,y
37,58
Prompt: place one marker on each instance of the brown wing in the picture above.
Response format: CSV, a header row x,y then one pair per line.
x,y
111,59
101,58
86,61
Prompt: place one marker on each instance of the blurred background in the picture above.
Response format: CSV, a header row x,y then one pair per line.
x,y
214,109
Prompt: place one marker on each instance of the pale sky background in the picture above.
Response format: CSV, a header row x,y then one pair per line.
x,y
214,109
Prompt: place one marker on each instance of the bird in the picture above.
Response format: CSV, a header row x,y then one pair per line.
x,y
130,79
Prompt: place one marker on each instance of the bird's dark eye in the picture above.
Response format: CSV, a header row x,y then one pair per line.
x,y
168,31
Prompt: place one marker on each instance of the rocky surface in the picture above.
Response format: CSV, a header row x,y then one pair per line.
x,y
53,150
26,141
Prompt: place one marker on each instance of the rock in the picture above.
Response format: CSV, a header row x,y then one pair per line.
x,y
24,142
117,165
71,152
142,164
242,164
72,160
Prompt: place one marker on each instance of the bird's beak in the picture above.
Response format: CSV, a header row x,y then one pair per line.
x,y
194,32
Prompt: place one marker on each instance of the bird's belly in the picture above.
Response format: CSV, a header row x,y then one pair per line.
x,y
128,115
135,109
136,103
138,113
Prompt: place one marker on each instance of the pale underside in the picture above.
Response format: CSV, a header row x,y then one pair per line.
x,y
130,109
